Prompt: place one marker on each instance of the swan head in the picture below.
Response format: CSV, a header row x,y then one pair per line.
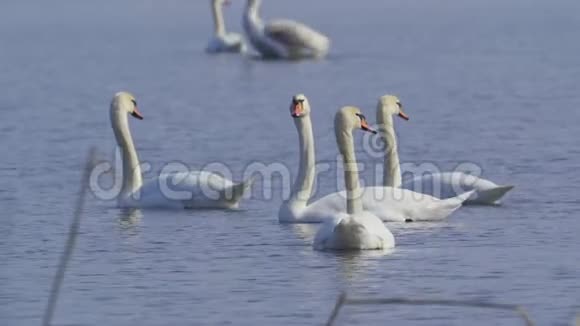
x,y
299,106
125,102
390,105
350,118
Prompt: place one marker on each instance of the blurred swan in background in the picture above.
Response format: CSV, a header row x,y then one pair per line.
x,y
222,40
388,203
282,38
441,185
197,189
356,229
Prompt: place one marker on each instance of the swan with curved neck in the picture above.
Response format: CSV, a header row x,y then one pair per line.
x,y
222,40
442,185
389,204
295,207
392,169
196,189
123,105
282,38
356,229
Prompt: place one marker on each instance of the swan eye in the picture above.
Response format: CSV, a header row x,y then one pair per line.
x,y
361,116
296,101
399,105
134,102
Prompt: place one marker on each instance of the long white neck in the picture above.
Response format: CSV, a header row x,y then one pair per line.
x,y
391,168
132,179
218,18
302,188
251,14
345,143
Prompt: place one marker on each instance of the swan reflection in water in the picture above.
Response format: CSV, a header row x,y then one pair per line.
x,y
129,221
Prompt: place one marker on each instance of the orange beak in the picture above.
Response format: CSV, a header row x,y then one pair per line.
x,y
403,115
297,110
364,126
137,114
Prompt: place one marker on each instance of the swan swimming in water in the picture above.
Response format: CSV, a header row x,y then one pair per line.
x,y
355,229
388,203
282,38
442,185
197,189
222,40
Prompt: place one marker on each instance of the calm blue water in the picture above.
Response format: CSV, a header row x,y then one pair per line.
x,y
489,82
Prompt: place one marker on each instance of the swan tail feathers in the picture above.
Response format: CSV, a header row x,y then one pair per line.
x,y
453,203
446,207
322,46
234,193
491,196
464,196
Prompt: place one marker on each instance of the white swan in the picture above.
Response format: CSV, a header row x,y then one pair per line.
x,y
198,189
282,38
222,40
441,185
356,229
389,204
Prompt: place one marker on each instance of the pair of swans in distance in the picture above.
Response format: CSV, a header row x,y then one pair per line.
x,y
277,39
